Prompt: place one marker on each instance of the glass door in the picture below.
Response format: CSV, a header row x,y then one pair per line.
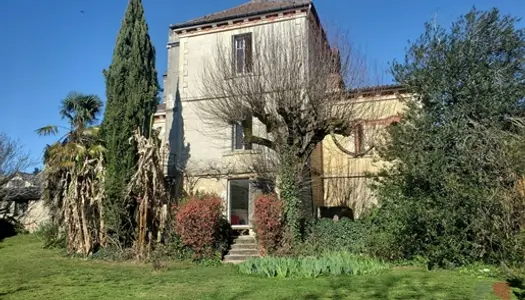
x,y
239,202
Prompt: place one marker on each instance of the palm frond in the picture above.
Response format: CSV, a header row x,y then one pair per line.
x,y
93,131
47,130
96,150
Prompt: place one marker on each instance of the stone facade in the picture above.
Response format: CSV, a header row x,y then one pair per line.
x,y
204,152
23,204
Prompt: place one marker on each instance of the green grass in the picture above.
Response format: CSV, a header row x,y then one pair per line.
x,y
29,272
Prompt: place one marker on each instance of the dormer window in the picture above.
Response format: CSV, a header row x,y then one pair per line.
x,y
242,53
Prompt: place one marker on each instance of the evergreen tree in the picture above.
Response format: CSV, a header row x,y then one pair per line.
x,y
455,193
131,90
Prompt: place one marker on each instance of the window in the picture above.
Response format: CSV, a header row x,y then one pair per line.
x,y
359,138
242,53
238,136
238,142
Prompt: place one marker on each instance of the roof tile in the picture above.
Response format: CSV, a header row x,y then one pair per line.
x,y
249,8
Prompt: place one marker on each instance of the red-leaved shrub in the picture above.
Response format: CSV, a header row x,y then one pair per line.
x,y
198,223
269,222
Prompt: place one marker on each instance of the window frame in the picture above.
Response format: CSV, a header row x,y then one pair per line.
x,y
241,125
247,61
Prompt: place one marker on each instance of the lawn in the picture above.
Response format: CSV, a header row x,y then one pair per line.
x,y
29,272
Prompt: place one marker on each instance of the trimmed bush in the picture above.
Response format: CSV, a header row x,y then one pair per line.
x,y
329,264
343,235
202,227
269,222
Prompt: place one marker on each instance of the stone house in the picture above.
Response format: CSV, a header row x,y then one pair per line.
x,y
21,204
213,159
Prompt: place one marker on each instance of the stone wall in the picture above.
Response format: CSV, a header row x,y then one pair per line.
x,y
29,214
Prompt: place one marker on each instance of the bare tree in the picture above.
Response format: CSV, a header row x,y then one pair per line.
x,y
13,160
289,94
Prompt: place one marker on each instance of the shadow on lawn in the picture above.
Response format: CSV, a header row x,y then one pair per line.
x,y
14,291
399,286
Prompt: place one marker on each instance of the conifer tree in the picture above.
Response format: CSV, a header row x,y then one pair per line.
x,y
131,90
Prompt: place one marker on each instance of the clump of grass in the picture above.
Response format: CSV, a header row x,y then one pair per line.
x,y
329,264
480,270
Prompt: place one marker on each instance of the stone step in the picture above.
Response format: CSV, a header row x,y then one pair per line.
x,y
235,262
237,259
245,237
244,246
240,240
250,252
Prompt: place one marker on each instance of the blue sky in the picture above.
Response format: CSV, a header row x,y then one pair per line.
x,y
50,48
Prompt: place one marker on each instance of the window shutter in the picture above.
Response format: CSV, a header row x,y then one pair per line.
x,y
249,53
248,128
359,138
234,57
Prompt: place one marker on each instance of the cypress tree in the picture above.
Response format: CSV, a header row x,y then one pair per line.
x,y
131,89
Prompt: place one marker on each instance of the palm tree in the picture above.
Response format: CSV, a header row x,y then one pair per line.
x,y
75,174
81,112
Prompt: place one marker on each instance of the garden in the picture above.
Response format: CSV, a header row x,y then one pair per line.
x,y
449,224
29,272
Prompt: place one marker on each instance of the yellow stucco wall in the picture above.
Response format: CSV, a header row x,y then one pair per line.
x,y
344,178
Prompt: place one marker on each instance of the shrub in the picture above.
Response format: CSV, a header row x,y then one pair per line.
x,y
515,277
269,222
174,248
51,236
455,159
343,235
329,264
201,226
113,253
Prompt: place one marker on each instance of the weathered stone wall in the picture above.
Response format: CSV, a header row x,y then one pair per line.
x,y
29,214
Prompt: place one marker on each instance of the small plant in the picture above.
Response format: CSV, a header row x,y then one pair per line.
x,y
201,226
329,264
113,253
269,222
480,270
516,280
51,236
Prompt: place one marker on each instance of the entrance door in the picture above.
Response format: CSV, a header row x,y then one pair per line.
x,y
239,202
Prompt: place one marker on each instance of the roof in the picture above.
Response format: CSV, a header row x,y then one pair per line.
x,y
377,88
161,107
33,179
246,10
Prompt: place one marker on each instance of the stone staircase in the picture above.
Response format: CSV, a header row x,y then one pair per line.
x,y
243,246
